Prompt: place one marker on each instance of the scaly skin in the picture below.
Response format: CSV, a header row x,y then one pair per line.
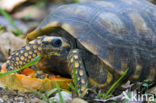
x,y
75,61
25,54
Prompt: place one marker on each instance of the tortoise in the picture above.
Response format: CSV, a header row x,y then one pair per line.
x,y
101,39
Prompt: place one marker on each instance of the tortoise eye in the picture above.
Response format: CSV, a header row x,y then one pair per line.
x,y
56,42
45,42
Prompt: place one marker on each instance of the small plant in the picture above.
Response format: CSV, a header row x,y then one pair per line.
x,y
39,94
48,94
98,95
108,94
10,20
44,97
146,84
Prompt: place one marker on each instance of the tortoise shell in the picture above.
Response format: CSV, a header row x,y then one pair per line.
x,y
120,32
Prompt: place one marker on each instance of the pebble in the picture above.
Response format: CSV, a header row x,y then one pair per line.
x,y
67,97
1,100
37,100
78,100
19,99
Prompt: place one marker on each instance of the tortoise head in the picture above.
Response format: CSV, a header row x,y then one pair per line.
x,y
53,46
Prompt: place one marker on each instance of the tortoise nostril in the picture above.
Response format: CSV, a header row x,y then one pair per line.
x,y
45,42
56,42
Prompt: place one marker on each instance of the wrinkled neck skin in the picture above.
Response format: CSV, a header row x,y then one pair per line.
x,y
54,62
57,65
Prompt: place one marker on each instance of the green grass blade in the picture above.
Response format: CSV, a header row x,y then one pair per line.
x,y
72,87
51,92
9,72
74,74
32,62
111,88
8,17
38,93
98,95
59,92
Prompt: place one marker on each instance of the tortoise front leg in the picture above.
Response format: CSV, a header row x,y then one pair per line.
x,y
76,62
25,54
